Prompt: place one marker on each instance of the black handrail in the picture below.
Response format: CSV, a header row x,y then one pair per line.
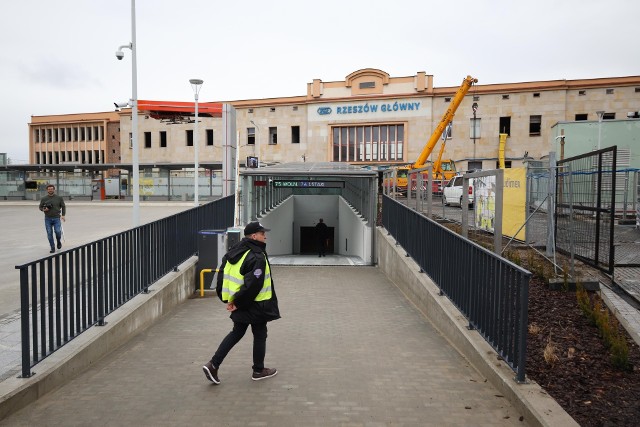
x,y
490,291
64,294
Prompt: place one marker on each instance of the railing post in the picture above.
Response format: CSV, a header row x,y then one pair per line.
x,y
100,270
523,305
24,322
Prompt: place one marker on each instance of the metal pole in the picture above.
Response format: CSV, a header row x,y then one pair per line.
x,y
195,155
134,119
196,84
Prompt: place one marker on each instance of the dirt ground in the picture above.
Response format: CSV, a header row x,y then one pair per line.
x,y
577,369
582,379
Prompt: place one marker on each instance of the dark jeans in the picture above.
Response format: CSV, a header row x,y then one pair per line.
x,y
52,224
259,344
322,250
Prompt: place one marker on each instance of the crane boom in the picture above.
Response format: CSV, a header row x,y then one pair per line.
x,y
446,119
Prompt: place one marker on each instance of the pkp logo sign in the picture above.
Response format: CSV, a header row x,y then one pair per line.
x,y
323,111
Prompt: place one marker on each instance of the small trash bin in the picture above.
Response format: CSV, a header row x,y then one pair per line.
x,y
211,249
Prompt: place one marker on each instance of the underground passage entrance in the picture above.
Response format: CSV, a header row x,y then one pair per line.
x,y
290,199
310,242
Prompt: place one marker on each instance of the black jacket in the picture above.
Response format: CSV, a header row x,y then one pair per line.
x,y
253,269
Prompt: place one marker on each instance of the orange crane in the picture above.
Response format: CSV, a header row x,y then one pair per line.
x,y
442,169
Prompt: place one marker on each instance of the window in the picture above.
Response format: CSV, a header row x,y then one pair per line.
x,y
505,96
449,130
367,85
535,125
378,143
582,92
295,134
536,94
476,98
474,129
189,136
581,117
273,135
295,108
82,135
250,110
507,164
505,125
609,91
163,138
147,140
130,141
272,109
447,99
210,137
609,116
251,136
638,90
96,134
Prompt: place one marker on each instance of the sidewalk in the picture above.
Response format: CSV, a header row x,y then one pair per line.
x,y
350,350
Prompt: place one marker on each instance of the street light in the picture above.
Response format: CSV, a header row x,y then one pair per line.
x,y
257,142
134,114
474,107
196,84
600,116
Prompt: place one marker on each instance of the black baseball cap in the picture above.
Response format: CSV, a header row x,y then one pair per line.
x,y
254,227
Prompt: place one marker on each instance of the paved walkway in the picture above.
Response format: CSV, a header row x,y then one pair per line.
x,y
350,349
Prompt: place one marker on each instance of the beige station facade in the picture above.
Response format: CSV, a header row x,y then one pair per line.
x,y
370,118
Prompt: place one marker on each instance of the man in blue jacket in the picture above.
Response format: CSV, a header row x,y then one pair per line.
x,y
244,283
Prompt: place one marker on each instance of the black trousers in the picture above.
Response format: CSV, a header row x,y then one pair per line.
x,y
259,331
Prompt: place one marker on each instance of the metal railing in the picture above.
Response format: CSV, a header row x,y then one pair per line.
x,y
64,294
490,291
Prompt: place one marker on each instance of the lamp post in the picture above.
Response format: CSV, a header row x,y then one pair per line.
x,y
196,84
600,116
134,115
257,142
474,107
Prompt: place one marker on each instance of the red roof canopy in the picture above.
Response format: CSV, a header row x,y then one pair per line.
x,y
213,109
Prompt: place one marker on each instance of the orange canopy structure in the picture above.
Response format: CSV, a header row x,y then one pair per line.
x,y
179,112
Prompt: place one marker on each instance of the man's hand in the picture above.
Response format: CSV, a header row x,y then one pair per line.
x,y
62,218
231,306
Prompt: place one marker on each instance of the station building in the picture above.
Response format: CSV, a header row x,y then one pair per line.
x,y
370,119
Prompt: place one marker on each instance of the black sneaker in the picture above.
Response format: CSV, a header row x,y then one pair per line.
x,y
52,251
211,373
264,374
59,245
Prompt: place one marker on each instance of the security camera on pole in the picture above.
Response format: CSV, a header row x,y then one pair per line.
x,y
135,181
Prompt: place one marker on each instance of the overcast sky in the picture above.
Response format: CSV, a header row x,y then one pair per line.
x,y
58,57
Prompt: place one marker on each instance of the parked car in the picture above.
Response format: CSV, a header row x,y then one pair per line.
x,y
452,192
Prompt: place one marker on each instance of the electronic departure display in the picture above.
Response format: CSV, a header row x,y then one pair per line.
x,y
308,184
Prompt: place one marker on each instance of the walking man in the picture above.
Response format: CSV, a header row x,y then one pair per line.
x,y
322,233
244,283
54,210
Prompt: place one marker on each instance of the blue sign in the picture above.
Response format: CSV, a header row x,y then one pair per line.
x,y
324,110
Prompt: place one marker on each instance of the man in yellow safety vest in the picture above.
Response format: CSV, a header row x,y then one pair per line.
x,y
244,283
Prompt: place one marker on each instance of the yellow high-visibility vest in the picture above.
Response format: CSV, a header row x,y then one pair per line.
x,y
232,280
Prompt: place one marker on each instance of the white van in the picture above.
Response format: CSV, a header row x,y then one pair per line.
x,y
452,192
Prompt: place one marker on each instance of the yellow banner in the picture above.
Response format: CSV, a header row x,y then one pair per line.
x,y
514,206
